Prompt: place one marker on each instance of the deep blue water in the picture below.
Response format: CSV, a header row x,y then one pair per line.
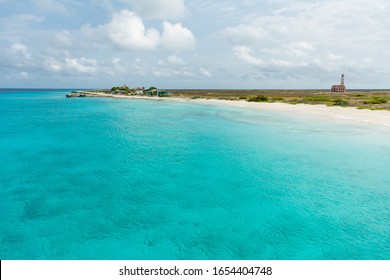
x,y
96,178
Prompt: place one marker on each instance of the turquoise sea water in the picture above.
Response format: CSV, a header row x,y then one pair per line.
x,y
103,178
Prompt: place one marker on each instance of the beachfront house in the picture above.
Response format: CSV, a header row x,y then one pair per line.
x,y
163,93
156,92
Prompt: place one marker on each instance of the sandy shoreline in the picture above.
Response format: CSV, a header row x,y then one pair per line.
x,y
348,114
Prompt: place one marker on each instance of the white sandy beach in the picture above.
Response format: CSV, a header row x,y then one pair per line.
x,y
320,111
348,114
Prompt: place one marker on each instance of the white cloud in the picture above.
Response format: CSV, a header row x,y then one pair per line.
x,y
159,9
24,75
293,8
128,31
282,63
20,50
92,37
244,34
285,40
205,72
171,73
246,54
177,37
19,22
311,37
52,65
82,65
63,38
173,59
334,56
27,18
105,4
368,60
298,50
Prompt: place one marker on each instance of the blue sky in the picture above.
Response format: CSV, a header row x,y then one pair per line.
x,y
277,44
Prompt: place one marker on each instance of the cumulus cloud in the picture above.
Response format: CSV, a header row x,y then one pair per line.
x,y
246,54
63,62
82,65
159,9
51,61
280,39
296,34
128,31
52,65
20,50
177,37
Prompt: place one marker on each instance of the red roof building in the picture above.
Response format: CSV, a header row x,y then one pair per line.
x,y
340,87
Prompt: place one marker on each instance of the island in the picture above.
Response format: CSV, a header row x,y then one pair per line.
x,y
360,99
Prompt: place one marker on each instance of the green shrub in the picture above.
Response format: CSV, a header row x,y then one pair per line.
x,y
377,109
340,102
376,100
259,98
319,98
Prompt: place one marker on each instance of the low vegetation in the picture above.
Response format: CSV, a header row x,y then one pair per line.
x,y
373,100
377,100
258,98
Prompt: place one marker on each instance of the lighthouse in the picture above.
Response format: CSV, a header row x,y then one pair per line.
x,y
340,87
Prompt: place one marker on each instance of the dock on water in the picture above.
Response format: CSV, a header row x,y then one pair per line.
x,y
75,94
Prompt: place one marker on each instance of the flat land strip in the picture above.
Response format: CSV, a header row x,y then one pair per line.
x,y
374,100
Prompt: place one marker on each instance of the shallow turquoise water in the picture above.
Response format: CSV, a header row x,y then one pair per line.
x,y
135,179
